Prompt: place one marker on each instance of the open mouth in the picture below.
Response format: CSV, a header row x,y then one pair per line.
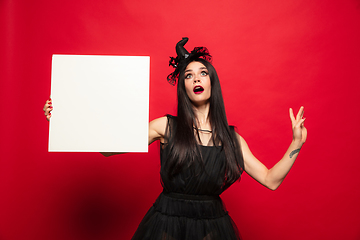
x,y
198,89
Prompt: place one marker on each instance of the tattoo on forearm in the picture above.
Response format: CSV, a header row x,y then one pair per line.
x,y
294,152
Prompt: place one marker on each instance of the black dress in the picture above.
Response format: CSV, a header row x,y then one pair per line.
x,y
189,208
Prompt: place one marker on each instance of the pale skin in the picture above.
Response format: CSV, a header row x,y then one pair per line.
x,y
196,74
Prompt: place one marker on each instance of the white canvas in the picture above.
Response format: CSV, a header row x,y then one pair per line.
x,y
101,103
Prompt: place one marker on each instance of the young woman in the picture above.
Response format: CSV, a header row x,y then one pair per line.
x,y
201,156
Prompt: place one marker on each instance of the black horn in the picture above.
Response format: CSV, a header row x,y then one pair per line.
x,y
180,50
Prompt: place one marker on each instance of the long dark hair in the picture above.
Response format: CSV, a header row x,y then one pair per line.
x,y
184,148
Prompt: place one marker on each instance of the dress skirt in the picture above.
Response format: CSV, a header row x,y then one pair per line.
x,y
176,216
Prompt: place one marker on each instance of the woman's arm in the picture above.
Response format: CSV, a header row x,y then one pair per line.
x,y
157,129
272,178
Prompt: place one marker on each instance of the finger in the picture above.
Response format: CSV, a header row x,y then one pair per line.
x,y
46,106
48,103
48,110
300,114
292,117
301,123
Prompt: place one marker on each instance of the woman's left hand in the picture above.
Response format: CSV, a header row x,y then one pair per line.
x,y
299,130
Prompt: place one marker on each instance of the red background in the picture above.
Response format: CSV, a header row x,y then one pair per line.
x,y
270,55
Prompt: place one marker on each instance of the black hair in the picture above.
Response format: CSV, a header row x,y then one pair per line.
x,y
184,146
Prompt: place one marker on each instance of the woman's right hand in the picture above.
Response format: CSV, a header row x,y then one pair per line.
x,y
47,109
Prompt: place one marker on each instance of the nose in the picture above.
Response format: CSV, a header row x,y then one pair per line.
x,y
196,79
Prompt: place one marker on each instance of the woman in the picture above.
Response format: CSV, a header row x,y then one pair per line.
x,y
201,156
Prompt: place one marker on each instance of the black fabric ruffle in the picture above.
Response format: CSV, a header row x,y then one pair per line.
x,y
172,218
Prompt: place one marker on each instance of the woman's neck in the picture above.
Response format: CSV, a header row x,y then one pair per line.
x,y
202,115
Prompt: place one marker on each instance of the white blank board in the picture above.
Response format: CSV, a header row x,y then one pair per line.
x,y
101,103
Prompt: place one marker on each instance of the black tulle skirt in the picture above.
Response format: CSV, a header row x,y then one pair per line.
x,y
192,217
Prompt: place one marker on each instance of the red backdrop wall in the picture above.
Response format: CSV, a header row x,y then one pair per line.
x,y
270,55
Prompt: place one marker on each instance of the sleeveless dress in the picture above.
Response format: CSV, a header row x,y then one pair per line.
x,y
189,208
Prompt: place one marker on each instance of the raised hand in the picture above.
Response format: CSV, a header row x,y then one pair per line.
x,y
298,128
47,109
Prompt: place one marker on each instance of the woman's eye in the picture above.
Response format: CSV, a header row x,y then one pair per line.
x,y
203,73
188,76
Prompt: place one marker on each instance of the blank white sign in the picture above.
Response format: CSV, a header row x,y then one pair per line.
x,y
101,103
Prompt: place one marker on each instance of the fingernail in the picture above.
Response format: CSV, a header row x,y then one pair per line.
x,y
49,114
51,107
49,102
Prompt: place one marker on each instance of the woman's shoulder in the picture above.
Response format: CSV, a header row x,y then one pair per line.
x,y
159,121
162,127
164,119
169,116
157,129
171,120
162,122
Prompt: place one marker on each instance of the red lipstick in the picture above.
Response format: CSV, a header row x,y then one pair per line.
x,y
198,89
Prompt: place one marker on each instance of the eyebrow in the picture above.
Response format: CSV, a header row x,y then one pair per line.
x,y
189,70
